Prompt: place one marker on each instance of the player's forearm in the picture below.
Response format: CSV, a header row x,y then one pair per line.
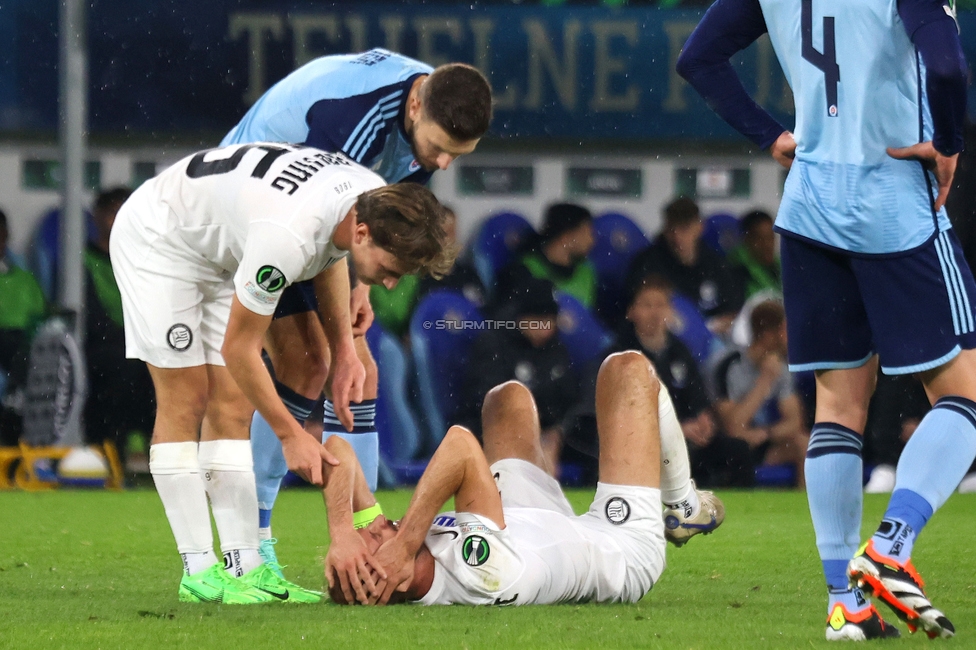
x,y
349,475
333,294
241,351
442,480
339,491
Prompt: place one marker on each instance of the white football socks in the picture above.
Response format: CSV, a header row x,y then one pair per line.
x,y
176,473
677,490
228,472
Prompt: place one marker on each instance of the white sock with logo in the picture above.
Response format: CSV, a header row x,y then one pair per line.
x,y
228,473
677,490
176,473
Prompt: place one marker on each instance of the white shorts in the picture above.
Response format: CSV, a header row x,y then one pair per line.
x,y
623,516
175,305
631,517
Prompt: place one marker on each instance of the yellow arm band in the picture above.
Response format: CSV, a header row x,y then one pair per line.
x,y
365,517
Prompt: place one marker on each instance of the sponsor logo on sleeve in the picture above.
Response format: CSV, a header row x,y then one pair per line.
x,y
617,511
179,337
475,550
270,279
259,294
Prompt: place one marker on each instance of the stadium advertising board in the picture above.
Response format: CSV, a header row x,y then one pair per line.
x,y
569,72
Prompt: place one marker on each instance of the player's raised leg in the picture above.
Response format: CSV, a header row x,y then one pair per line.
x,y
181,402
511,436
688,511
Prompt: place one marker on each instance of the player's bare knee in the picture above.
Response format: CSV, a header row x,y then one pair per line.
x,y
628,366
508,396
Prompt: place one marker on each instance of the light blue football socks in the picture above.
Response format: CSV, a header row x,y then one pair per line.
x,y
833,470
934,461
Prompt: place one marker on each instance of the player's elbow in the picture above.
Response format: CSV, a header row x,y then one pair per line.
x,y
689,63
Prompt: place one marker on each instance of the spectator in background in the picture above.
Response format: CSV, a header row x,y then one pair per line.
x,y
755,260
531,353
393,308
690,266
121,400
22,307
559,256
754,394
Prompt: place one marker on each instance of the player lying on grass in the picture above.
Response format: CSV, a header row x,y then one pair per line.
x,y
514,539
202,254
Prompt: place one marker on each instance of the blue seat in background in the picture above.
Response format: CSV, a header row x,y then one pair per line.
x,y
498,237
580,331
399,435
689,325
44,254
440,355
617,240
722,233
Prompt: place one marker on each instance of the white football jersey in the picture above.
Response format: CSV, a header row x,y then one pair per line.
x,y
263,213
541,557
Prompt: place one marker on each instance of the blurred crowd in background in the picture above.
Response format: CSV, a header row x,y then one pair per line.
x,y
701,298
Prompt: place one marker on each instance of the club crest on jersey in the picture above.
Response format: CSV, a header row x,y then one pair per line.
x,y
179,337
475,550
270,279
617,511
414,166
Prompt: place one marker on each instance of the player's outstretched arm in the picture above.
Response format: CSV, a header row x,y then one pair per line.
x,y
345,492
459,469
243,342
348,374
726,28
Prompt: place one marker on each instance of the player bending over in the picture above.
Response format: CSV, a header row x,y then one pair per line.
x,y
403,119
202,254
514,539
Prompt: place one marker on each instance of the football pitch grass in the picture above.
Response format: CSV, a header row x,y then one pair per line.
x,y
82,569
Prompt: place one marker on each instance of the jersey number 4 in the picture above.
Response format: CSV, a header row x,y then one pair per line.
x,y
825,61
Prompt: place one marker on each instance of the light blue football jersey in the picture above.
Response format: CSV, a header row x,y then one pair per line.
x,y
859,87
351,103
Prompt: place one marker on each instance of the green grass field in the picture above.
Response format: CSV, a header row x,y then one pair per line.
x,y
83,569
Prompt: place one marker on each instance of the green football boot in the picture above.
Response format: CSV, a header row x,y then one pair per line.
x,y
215,585
267,578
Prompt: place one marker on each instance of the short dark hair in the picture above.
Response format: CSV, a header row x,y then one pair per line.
x,y
681,212
654,281
752,219
113,196
406,220
457,97
767,316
